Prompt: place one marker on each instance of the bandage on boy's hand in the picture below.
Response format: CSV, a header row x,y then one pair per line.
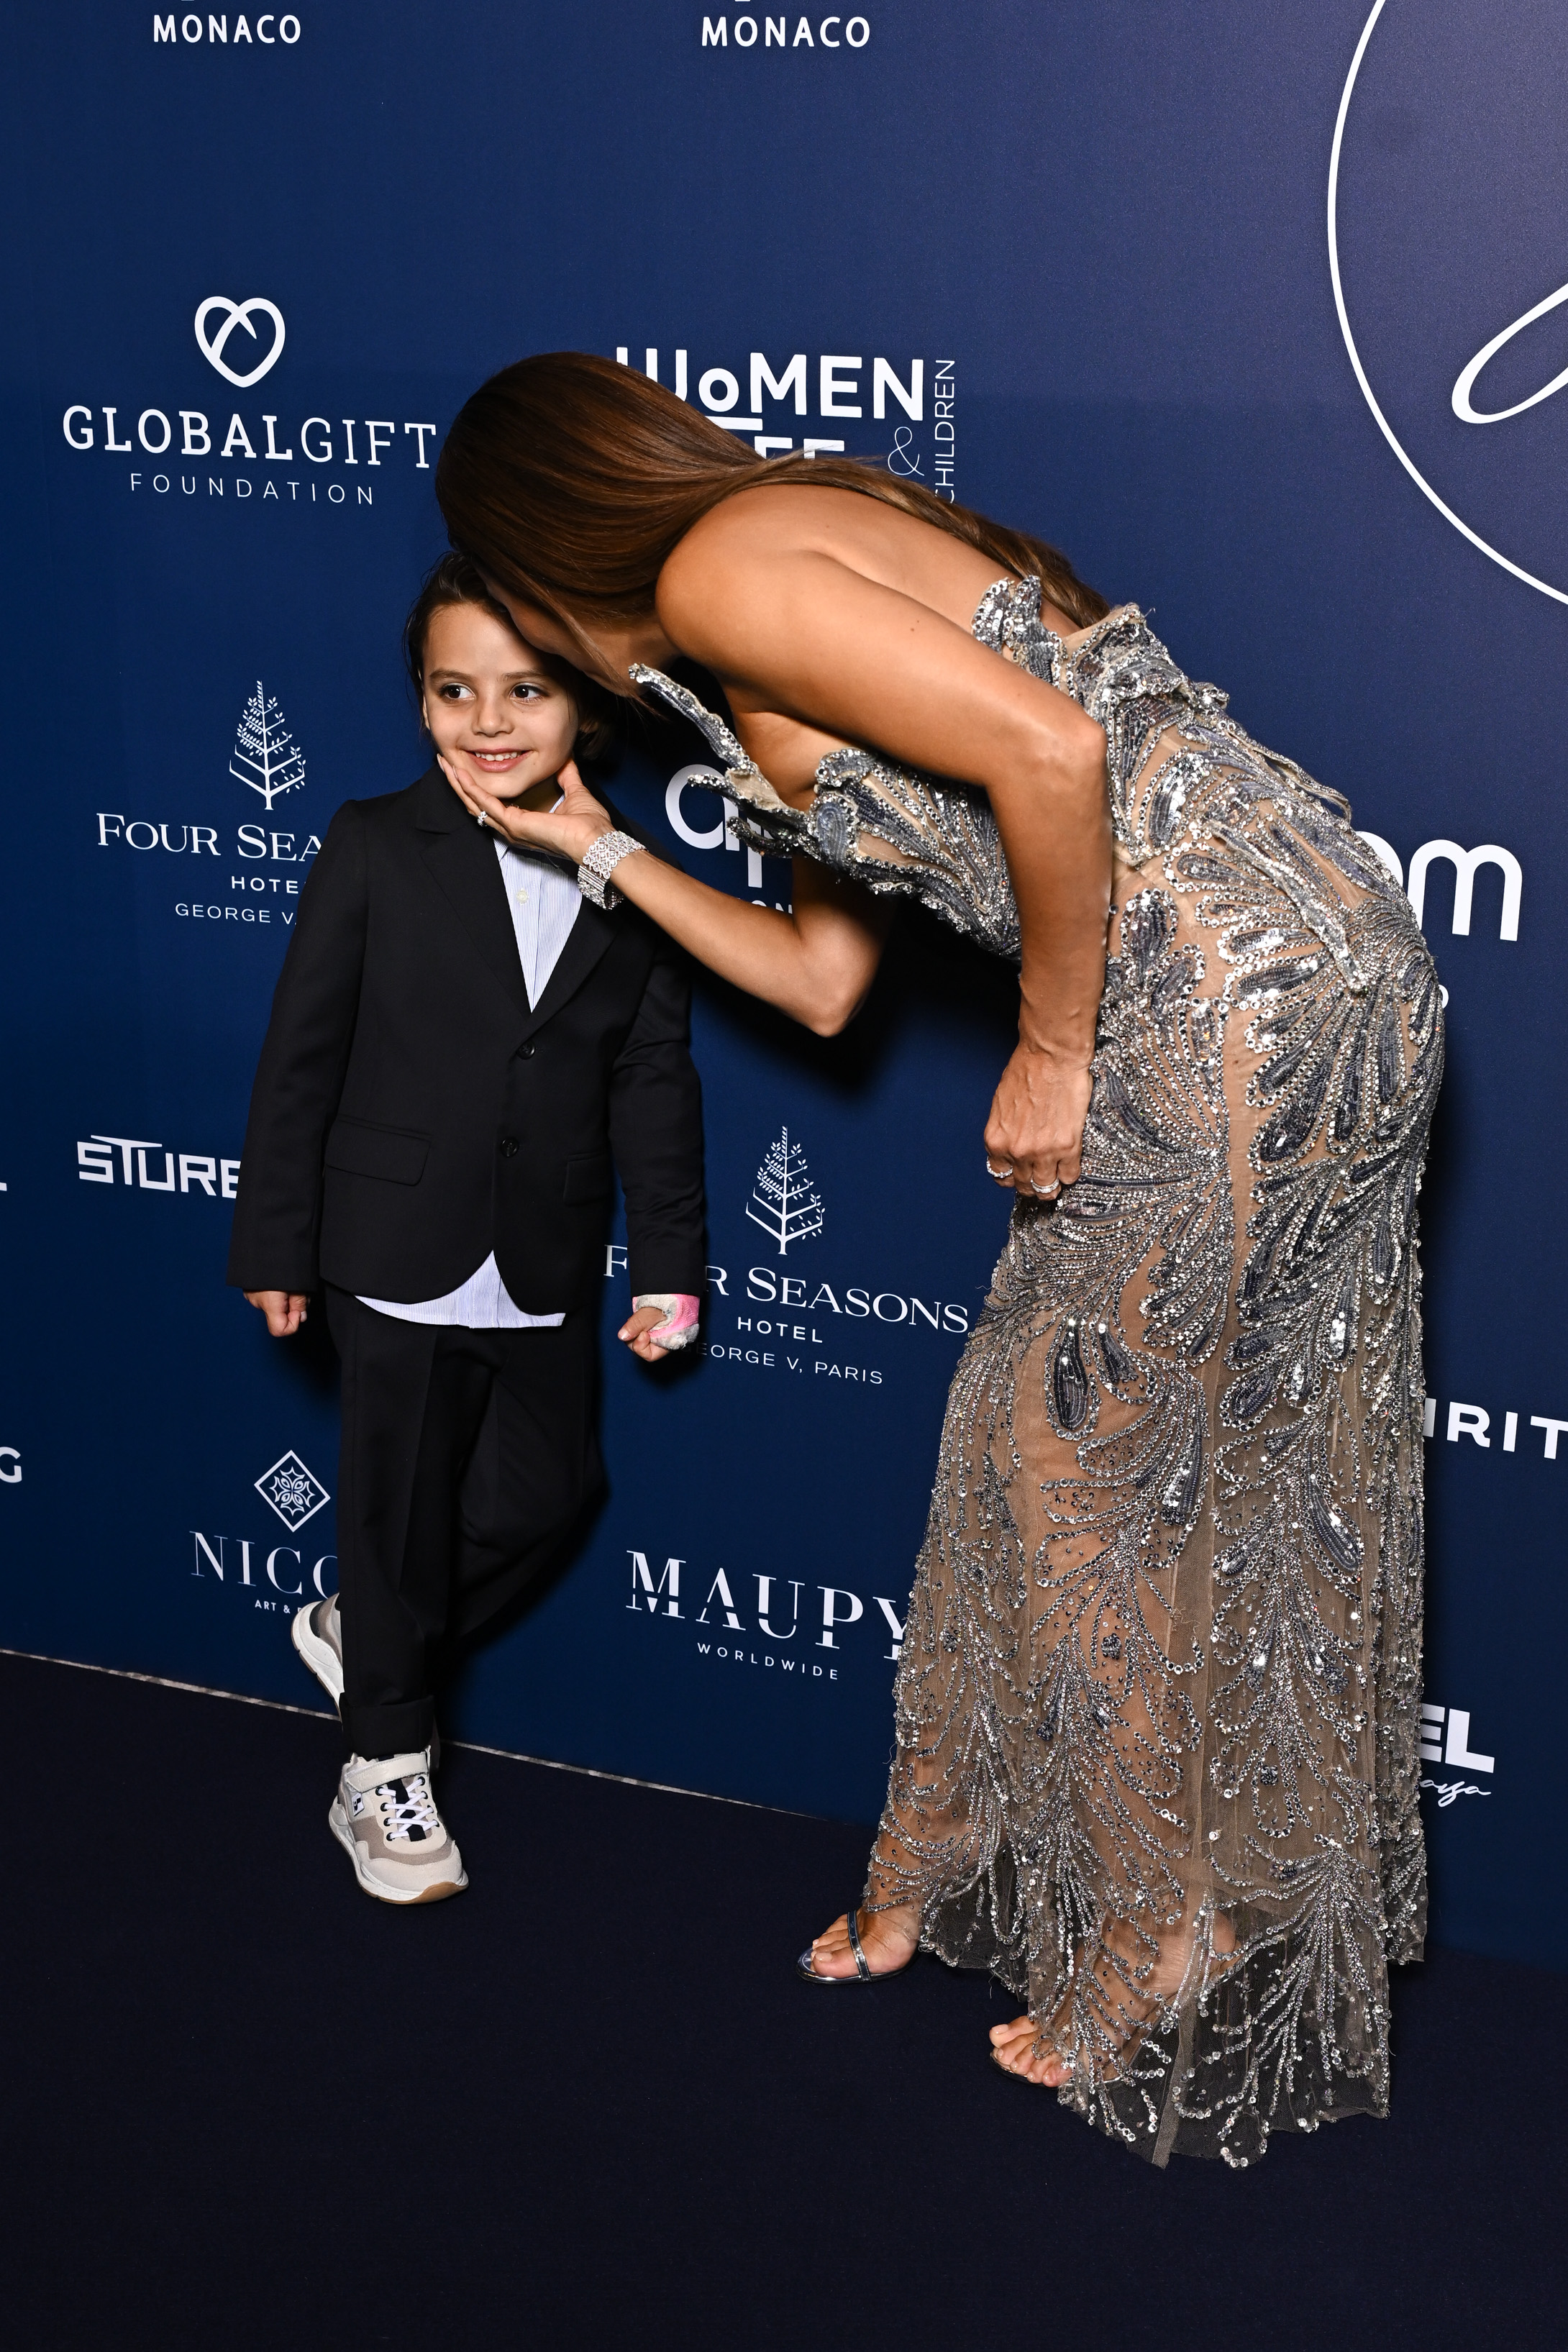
x,y
662,1322
569,831
285,1309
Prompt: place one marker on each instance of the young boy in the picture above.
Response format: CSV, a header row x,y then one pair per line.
x,y
460,1047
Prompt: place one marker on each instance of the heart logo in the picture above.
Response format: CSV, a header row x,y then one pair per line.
x,y
237,314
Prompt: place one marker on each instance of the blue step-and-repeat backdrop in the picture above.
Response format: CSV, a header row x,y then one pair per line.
x,y
1256,312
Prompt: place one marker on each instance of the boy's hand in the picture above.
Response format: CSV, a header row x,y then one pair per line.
x,y
570,830
285,1309
660,1324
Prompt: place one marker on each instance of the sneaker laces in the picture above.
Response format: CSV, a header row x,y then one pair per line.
x,y
408,1810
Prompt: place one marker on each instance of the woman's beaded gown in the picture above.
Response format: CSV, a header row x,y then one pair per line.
x,y
1157,1706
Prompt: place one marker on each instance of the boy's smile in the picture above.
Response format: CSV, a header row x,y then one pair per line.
x,y
490,703
499,763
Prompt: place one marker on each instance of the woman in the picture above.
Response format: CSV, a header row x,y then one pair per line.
x,y
1157,1755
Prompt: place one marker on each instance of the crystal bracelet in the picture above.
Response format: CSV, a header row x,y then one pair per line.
x,y
598,864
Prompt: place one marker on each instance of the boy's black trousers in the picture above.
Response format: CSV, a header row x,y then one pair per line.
x,y
467,1456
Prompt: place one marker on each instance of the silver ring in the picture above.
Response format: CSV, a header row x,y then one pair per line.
x,y
1047,1192
480,819
1000,1174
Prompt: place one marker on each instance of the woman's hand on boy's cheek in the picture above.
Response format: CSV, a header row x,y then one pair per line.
x,y
569,831
285,1310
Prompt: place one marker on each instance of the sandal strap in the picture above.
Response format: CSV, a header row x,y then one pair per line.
x,y
862,1967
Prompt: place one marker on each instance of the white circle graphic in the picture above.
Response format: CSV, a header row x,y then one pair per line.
x,y
1416,476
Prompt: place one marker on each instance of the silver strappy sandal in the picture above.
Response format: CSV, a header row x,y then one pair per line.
x,y
864,1972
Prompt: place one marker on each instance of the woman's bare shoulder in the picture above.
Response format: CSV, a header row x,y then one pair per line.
x,y
759,524
730,554
737,544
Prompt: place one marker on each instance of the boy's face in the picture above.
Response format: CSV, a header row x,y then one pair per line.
x,y
491,706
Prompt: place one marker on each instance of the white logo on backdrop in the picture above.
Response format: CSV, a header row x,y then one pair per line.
x,y
199,1171
286,455
839,379
832,32
239,315
1452,1749
660,1595
785,1202
718,836
1474,1422
1461,401
191,29
1466,864
266,756
295,1493
1465,383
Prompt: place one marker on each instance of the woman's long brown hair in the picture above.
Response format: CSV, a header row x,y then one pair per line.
x,y
570,480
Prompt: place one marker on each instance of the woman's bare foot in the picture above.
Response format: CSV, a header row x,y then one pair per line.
x,y
1022,2048
888,1938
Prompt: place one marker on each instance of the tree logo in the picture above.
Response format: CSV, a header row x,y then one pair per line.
x,y
784,1202
294,1491
237,314
266,756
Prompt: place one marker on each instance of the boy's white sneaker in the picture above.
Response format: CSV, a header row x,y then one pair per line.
x,y
318,1636
384,1818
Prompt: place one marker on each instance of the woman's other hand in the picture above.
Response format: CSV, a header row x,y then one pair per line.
x,y
1034,1138
568,831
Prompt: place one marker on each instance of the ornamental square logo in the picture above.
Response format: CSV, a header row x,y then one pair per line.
x,y
292,1490
239,314
1448,158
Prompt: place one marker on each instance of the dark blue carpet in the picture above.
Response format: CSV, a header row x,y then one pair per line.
x,y
587,2103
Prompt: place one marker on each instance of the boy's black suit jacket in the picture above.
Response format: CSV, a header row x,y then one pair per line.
x,y
412,1111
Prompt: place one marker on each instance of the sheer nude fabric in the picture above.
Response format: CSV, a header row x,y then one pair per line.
x,y
1157,1706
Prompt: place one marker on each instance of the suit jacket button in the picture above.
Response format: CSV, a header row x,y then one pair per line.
x,y
526,1054
509,1147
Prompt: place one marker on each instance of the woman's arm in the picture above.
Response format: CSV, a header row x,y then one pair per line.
x,y
792,629
815,964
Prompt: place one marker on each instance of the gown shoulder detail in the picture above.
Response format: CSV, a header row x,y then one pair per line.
x,y
720,737
892,829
